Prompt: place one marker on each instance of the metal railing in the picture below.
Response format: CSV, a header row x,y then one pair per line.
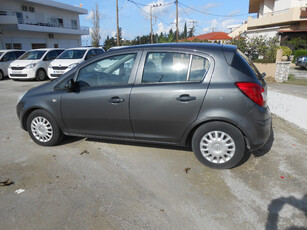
x,y
21,20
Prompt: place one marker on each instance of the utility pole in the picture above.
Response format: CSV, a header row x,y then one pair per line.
x,y
151,37
117,22
151,34
177,31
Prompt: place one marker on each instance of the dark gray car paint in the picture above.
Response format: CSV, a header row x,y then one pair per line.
x,y
172,122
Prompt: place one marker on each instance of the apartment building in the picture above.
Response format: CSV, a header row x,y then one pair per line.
x,y
283,18
31,24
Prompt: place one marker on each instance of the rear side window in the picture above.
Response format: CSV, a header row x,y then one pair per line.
x,y
174,67
244,65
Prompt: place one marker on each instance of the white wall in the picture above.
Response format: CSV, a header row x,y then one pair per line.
x,y
289,107
286,4
27,38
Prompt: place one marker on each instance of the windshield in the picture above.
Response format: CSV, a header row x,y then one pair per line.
x,y
33,55
72,54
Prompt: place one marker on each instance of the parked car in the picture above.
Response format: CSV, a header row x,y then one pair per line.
x,y
207,95
33,64
71,58
6,58
301,62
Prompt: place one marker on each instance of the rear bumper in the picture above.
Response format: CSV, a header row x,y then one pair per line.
x,y
256,127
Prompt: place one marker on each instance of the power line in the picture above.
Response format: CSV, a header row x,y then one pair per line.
x,y
189,16
217,15
140,8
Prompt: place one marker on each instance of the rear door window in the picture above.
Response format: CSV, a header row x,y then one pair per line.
x,y
174,67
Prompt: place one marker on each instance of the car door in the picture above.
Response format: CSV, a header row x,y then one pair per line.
x,y
168,94
101,105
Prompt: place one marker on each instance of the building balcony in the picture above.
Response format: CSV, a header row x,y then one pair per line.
x,y
8,17
284,17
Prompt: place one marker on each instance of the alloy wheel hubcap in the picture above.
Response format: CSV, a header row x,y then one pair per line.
x,y
217,147
41,129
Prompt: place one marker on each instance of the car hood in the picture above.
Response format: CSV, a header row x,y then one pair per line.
x,y
23,62
65,62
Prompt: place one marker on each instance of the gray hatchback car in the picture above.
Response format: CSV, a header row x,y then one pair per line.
x,y
208,96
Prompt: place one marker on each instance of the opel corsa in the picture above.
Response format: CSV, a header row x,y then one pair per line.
x,y
208,96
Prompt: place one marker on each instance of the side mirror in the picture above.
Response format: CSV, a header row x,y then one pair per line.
x,y
71,86
263,74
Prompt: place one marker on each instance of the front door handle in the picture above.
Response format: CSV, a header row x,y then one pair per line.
x,y
116,100
185,98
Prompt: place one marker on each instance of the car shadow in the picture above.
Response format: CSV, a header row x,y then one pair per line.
x,y
70,139
140,144
277,205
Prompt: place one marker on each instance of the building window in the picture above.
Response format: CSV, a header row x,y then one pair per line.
x,y
8,46
74,24
57,22
56,45
17,46
24,8
39,45
31,9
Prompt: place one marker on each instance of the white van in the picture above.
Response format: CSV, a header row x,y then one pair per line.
x,y
71,58
6,58
33,64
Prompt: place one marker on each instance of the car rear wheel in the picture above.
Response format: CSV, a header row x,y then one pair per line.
x,y
43,129
40,75
218,145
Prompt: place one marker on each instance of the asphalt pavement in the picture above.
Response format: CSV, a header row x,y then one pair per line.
x,y
93,184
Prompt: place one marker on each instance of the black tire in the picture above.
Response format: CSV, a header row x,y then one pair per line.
x,y
218,154
41,75
44,121
1,75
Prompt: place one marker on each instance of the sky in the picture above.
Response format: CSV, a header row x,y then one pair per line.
x,y
134,19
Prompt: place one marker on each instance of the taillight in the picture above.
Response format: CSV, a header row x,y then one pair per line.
x,y
254,91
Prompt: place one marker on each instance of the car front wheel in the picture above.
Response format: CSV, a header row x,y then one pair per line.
x,y
218,145
43,129
40,75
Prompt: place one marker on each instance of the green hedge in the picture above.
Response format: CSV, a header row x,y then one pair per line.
x,y
264,61
298,53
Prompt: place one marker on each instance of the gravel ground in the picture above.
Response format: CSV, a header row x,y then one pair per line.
x,y
115,185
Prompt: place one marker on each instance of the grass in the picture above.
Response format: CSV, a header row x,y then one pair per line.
x,y
292,81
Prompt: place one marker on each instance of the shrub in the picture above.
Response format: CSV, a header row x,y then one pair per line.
x,y
286,51
264,61
298,53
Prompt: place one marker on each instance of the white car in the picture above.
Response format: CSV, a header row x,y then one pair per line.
x,y
6,58
33,64
71,58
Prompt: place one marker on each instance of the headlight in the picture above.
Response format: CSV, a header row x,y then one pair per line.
x,y
10,66
50,66
72,65
30,66
21,96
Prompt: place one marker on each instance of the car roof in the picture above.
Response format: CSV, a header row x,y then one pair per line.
x,y
11,50
46,49
213,47
83,48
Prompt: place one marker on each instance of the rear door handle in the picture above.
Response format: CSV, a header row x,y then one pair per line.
x,y
116,100
185,98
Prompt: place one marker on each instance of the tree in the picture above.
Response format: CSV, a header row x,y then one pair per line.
x,y
95,32
120,36
109,42
184,34
296,43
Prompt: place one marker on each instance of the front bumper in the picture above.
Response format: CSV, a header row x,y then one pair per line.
x,y
53,74
22,74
